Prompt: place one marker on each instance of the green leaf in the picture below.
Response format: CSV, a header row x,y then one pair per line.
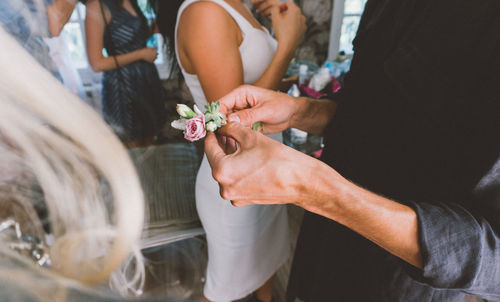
x,y
255,126
258,125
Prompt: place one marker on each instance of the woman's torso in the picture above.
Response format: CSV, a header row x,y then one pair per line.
x,y
125,31
133,97
256,50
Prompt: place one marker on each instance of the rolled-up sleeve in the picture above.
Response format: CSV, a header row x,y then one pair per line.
x,y
461,248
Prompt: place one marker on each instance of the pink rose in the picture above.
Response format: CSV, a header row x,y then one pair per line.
x,y
195,128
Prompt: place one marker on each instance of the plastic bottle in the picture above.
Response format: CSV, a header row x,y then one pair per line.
x,y
302,73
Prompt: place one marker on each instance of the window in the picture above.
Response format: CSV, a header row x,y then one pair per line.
x,y
353,9
345,21
74,31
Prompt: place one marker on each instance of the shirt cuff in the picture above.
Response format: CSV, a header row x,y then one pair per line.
x,y
450,244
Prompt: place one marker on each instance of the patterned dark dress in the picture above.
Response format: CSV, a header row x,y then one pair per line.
x,y
133,97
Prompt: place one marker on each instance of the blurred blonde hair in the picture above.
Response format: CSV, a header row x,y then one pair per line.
x,y
90,188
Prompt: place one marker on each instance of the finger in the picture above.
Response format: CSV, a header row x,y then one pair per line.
x,y
291,4
267,12
240,98
265,6
256,3
221,139
247,117
231,146
213,150
283,7
241,134
239,203
275,12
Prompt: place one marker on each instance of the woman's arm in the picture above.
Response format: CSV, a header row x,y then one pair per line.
x,y
289,27
58,14
94,28
208,42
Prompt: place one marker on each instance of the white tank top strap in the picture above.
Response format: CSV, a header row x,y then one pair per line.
x,y
240,20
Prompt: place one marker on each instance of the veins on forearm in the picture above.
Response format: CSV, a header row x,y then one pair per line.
x,y
315,115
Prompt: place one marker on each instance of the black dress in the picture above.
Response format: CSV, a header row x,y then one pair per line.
x,y
418,122
133,97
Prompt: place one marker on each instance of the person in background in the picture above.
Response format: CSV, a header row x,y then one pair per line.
x,y
132,92
405,204
220,45
30,31
58,14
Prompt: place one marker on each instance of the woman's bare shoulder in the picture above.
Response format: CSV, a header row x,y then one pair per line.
x,y
204,15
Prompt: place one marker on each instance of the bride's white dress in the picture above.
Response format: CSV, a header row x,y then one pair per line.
x,y
246,246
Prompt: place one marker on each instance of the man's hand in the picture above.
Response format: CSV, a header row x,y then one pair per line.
x,y
261,170
276,110
249,104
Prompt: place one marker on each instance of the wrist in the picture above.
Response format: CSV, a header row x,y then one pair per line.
x,y
301,105
323,191
285,51
141,53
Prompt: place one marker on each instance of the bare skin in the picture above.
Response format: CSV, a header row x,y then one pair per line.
x,y
272,173
208,43
58,14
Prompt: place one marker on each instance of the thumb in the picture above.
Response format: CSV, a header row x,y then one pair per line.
x,y
214,151
275,12
241,134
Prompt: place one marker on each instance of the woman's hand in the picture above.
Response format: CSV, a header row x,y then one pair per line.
x,y
289,26
149,54
265,7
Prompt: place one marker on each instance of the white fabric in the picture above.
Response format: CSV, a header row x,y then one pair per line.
x,y
246,246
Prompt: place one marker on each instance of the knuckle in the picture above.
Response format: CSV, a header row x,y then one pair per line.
x,y
248,115
221,175
231,127
218,174
225,194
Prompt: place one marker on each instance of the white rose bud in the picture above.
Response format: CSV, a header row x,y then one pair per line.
x,y
179,124
184,111
211,126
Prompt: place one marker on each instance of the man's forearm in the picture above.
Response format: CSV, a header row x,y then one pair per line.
x,y
389,224
313,115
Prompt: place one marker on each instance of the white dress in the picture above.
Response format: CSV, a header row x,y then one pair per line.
x,y
246,246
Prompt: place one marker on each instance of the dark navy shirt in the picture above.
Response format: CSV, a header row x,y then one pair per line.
x,y
419,123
